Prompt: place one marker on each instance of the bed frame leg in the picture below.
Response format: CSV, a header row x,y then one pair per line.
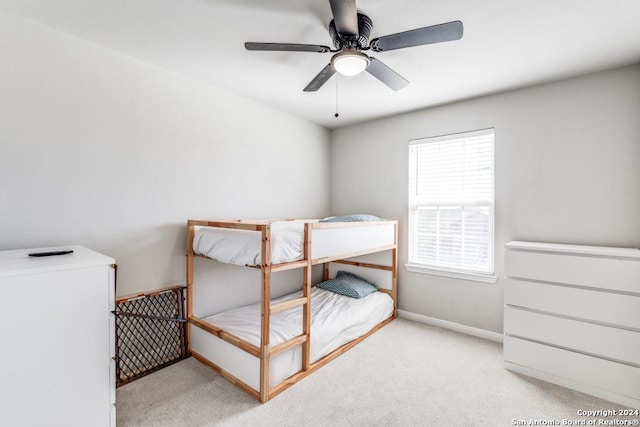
x,y
265,312
189,270
306,308
264,375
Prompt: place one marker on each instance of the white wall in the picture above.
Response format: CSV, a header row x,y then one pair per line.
x,y
103,150
100,149
567,170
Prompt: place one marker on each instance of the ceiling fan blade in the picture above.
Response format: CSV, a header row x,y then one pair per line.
x,y
386,75
287,47
320,79
418,37
345,16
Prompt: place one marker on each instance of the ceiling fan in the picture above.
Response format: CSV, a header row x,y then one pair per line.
x,y
350,32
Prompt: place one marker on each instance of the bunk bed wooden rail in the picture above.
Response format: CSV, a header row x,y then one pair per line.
x,y
265,351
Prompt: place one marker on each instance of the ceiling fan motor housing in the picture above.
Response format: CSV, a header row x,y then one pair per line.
x,y
341,41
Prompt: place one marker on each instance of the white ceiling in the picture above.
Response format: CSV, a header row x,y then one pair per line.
x,y
507,44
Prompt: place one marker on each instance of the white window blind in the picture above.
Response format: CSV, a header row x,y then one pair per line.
x,y
451,202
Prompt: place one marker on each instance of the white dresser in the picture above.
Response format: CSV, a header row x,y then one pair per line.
x,y
57,339
572,317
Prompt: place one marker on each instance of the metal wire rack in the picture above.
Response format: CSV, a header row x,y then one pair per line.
x,y
150,333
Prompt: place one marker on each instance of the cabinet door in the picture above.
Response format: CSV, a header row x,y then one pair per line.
x,y
55,348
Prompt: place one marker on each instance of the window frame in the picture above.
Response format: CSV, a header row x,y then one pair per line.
x,y
439,270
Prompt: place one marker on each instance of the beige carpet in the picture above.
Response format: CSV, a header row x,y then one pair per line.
x,y
406,374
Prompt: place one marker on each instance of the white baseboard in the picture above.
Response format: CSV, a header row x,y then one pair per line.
x,y
469,330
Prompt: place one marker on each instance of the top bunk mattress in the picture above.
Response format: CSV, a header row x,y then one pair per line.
x,y
243,247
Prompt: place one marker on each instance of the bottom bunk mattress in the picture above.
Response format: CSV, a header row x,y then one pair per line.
x,y
335,321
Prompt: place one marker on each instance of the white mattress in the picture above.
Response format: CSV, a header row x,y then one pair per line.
x,y
244,247
336,320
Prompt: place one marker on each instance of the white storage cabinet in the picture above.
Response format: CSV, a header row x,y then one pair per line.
x,y
57,339
572,317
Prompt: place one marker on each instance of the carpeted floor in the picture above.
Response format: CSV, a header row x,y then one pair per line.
x,y
406,374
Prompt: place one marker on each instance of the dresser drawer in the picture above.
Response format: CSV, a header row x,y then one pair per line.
x,y
603,341
607,307
604,378
588,271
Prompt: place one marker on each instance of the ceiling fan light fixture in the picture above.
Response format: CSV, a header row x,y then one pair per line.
x,y
349,62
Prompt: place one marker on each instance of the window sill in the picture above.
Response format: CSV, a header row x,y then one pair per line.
x,y
476,277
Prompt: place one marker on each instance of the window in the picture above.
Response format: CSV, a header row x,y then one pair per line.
x,y
451,205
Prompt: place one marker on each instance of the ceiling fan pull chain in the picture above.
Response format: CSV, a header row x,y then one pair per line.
x,y
337,97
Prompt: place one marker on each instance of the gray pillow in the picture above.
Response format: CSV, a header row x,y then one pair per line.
x,y
349,285
350,276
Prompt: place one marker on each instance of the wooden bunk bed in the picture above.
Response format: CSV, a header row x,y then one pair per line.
x,y
332,244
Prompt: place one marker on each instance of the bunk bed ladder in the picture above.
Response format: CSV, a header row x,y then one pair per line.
x,y
266,351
